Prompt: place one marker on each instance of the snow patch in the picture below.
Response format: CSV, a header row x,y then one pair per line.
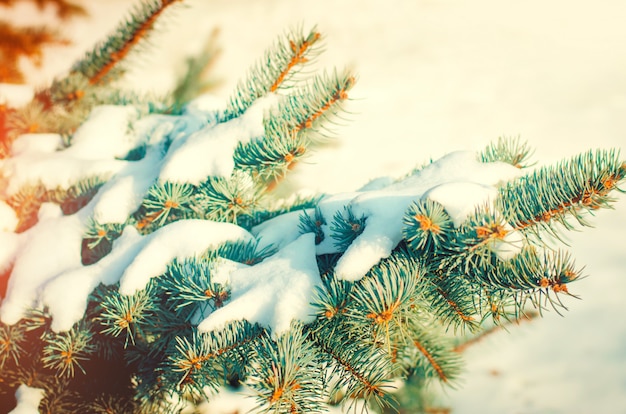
x,y
185,238
105,134
52,247
273,292
28,399
9,245
460,199
121,196
280,230
8,217
209,152
96,145
67,306
133,261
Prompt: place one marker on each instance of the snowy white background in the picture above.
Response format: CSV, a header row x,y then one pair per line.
x,y
438,76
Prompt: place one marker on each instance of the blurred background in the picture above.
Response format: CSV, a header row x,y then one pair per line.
x,y
434,77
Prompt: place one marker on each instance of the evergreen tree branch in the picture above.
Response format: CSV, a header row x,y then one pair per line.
x,y
203,353
512,151
289,378
359,369
100,62
435,359
273,71
533,201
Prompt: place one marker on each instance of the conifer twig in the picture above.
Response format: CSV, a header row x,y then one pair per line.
x,y
98,63
271,73
431,360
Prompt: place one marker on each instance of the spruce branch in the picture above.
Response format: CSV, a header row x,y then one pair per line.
x,y
427,227
27,42
206,352
99,63
127,315
510,150
248,253
318,101
65,351
101,233
165,203
304,300
272,156
312,222
292,128
332,300
273,71
451,302
28,199
383,301
227,199
357,369
33,117
189,282
11,344
346,227
534,203
434,357
289,378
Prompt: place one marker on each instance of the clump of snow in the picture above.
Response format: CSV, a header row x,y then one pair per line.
x,y
9,245
51,247
185,238
28,399
461,198
46,258
280,230
8,218
121,196
273,292
209,152
67,306
97,149
49,211
133,261
95,146
110,121
205,104
459,181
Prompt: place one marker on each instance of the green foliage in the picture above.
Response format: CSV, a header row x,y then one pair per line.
x,y
584,184
274,71
510,150
427,226
346,227
65,351
96,64
143,352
